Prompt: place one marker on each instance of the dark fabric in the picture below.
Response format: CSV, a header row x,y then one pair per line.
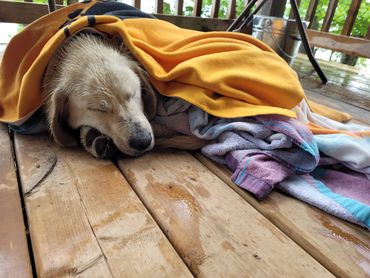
x,y
117,9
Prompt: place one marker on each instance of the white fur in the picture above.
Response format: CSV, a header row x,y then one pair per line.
x,y
90,82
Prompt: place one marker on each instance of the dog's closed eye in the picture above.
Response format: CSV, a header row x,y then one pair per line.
x,y
101,106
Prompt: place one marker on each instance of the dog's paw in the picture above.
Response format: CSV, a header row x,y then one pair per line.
x,y
96,143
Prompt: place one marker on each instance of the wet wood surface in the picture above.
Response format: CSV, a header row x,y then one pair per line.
x,y
342,248
85,220
214,230
173,216
346,84
14,256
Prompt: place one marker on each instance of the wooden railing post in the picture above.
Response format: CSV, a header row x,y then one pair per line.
x,y
311,12
215,8
272,8
291,11
136,3
351,17
158,6
329,15
69,2
179,6
231,9
197,8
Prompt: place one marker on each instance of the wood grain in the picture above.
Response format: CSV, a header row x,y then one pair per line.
x,y
28,12
14,256
311,10
215,8
85,219
343,75
231,9
329,15
341,247
351,17
179,6
347,95
362,116
158,6
216,232
197,8
350,45
22,12
136,3
197,23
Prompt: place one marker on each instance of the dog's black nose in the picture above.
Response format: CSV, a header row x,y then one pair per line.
x,y
140,139
140,143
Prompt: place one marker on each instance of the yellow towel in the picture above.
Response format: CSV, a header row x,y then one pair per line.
x,y
329,112
225,74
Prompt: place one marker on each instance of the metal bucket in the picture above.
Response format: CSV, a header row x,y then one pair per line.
x,y
280,34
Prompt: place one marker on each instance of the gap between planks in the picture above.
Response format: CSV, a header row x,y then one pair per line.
x,y
15,253
85,219
341,247
215,230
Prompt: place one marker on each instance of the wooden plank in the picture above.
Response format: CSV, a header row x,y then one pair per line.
x,y
179,5
215,8
136,4
22,12
62,240
354,97
14,256
273,8
329,15
344,75
291,15
350,45
158,7
69,2
368,33
85,218
342,81
360,115
338,76
231,9
197,10
351,18
216,232
28,12
197,23
341,247
311,12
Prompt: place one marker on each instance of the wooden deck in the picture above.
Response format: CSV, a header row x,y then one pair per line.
x,y
167,213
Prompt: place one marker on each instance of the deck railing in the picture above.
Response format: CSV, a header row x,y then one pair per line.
x,y
342,42
27,11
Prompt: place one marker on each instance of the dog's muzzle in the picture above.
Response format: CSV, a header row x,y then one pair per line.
x,y
142,139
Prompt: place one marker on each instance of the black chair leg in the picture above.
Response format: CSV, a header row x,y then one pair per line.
x,y
245,18
305,42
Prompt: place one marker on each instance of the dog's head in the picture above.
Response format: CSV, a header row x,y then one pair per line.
x,y
110,93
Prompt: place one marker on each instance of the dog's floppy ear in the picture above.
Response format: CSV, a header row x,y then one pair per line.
x,y
56,115
148,93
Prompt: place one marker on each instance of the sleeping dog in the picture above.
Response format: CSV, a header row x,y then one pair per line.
x,y
93,85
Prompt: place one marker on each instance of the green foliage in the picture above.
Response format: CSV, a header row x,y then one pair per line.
x,y
167,8
362,19
359,29
207,6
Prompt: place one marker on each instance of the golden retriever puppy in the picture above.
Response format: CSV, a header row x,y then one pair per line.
x,y
92,85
